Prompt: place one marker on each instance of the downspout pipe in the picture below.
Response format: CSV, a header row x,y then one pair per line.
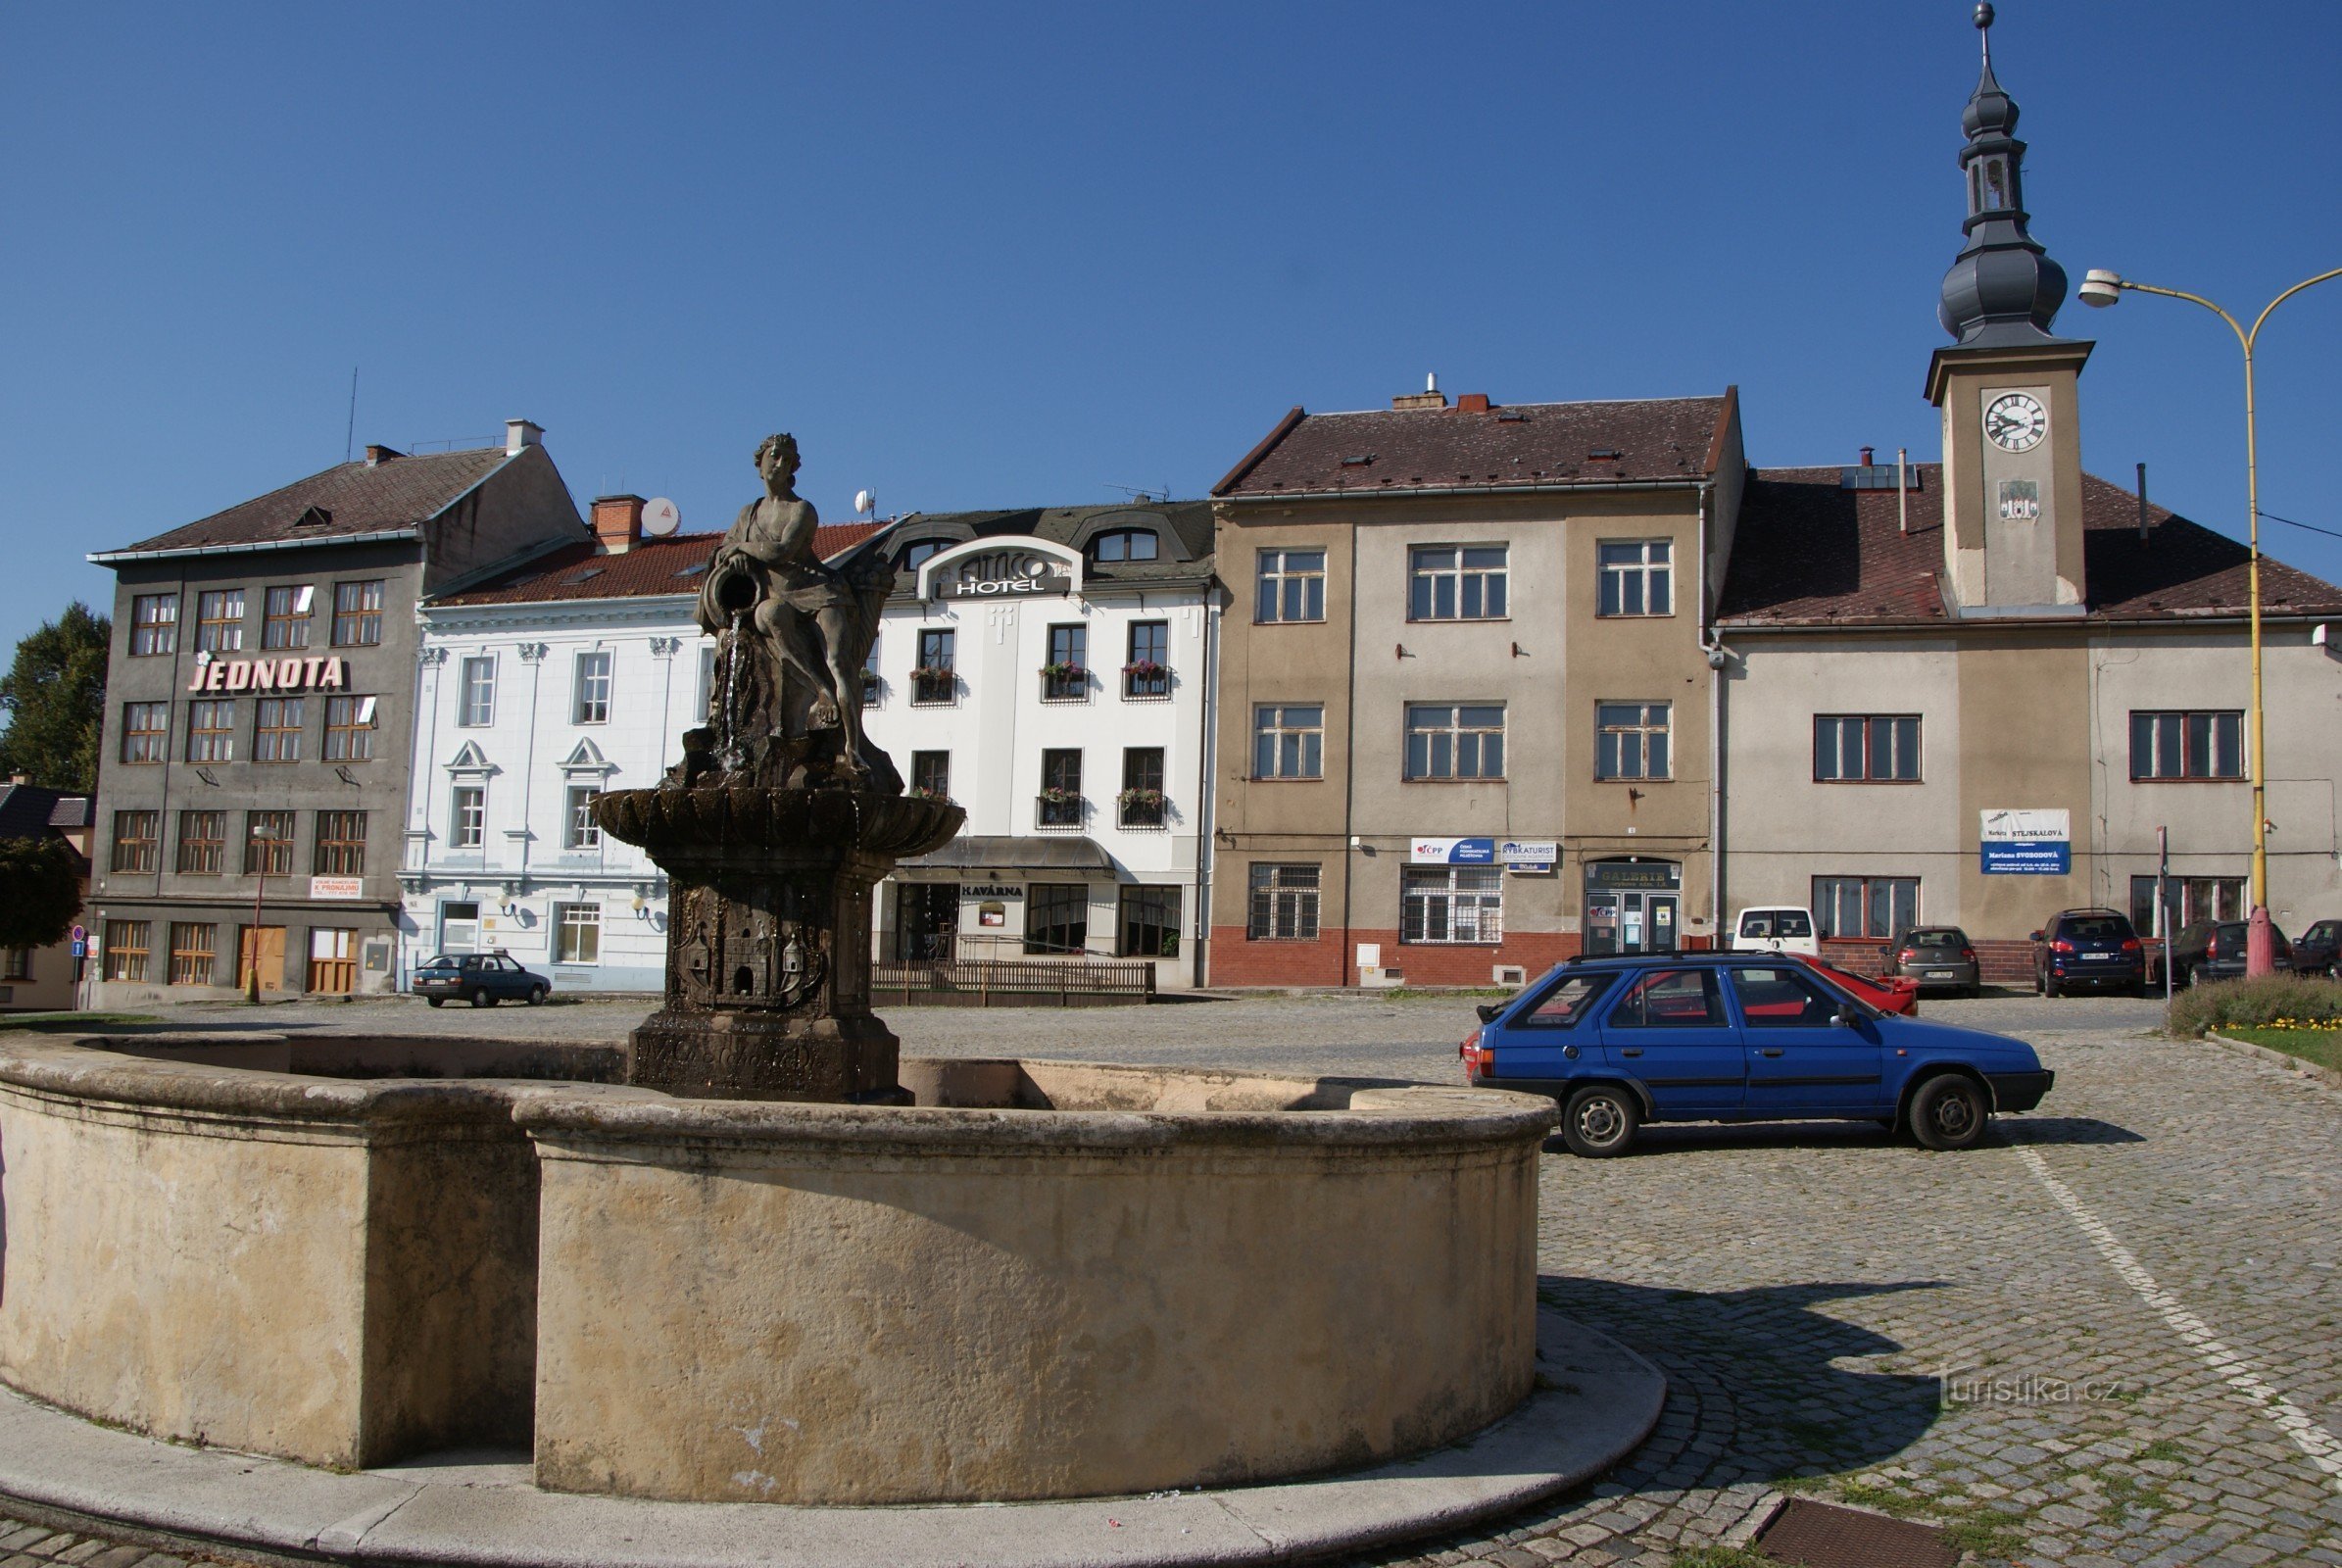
x,y
1350,763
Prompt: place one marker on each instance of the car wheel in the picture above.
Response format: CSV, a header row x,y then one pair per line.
x,y
536,995
436,1002
2050,986
1949,1113
2040,984
1600,1122
480,997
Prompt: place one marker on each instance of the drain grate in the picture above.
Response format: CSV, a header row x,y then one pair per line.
x,y
1821,1534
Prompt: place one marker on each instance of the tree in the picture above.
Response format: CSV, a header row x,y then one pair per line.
x,y
40,891
55,699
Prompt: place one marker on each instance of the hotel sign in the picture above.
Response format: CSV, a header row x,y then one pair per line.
x,y
1004,574
292,673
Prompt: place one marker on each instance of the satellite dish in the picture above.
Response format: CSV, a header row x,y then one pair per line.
x,y
660,517
864,501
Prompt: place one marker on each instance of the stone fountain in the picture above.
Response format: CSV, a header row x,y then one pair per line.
x,y
774,827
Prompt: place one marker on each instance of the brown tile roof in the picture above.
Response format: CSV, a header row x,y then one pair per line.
x,y
653,567
397,493
1810,553
1527,444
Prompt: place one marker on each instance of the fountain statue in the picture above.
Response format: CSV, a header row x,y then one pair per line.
x,y
775,826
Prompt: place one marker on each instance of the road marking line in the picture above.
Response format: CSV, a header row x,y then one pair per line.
x,y
2324,1449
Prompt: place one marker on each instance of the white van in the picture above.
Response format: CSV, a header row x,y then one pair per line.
x,y
1777,929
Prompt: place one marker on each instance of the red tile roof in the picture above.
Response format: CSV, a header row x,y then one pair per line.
x,y
651,568
352,498
1528,444
1808,551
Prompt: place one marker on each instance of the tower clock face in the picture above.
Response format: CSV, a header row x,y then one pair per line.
x,y
2015,422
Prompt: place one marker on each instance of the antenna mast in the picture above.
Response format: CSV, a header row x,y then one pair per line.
x,y
350,431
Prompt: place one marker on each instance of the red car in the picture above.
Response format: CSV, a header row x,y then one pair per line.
x,y
1896,993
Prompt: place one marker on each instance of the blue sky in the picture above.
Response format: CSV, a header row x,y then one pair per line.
x,y
991,256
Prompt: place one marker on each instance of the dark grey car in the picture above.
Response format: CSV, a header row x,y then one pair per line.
x,y
482,979
2318,950
2213,950
1940,958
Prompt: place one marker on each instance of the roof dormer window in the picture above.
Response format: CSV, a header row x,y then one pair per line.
x,y
918,553
1126,544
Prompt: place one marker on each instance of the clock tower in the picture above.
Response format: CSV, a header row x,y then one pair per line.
x,y
2011,442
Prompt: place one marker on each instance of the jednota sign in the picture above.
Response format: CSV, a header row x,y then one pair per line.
x,y
293,673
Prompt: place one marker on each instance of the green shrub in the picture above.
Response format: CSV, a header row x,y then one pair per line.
x,y
2255,1004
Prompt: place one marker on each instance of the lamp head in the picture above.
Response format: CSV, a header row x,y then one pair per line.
x,y
2101,287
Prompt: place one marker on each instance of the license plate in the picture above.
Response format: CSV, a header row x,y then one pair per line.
x,y
1941,974
2100,957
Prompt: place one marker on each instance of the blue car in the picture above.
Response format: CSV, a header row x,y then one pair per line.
x,y
1738,1037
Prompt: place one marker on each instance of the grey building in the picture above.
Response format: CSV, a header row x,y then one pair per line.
x,y
259,709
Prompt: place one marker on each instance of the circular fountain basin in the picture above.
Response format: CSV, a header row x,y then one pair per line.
x,y
1041,1280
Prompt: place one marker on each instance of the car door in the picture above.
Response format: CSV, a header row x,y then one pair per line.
x,y
1799,1063
1542,1041
1668,1029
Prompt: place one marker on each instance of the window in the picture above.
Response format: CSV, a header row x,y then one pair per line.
x,y
134,835
475,703
931,774
1056,917
267,843
2186,746
918,552
145,731
203,843
578,933
1146,672
1463,742
1453,904
1292,585
1148,923
126,949
591,704
1065,678
467,817
1562,1006
872,686
349,729
932,681
284,616
276,728
154,624
1781,999
2193,899
1126,544
1141,799
193,946
356,613
1637,577
220,620
1865,905
1457,584
1671,999
212,730
1284,903
1288,742
582,832
341,844
17,964
1060,802
1631,740
1851,749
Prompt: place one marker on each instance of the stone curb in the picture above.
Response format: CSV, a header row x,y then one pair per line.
x,y
1596,1401
2307,1069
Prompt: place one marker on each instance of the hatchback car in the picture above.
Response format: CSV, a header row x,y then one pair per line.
x,y
1784,928
1896,993
2318,950
1940,958
2093,948
2213,950
481,978
1738,1037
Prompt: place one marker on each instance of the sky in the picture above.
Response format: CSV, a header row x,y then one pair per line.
x,y
999,256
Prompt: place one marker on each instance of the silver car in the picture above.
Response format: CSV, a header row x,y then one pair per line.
x,y
1940,958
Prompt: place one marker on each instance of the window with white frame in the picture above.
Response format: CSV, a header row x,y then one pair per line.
x,y
1292,585
1284,902
1455,741
467,817
592,704
578,933
1288,741
1637,577
1631,740
1463,582
475,706
1451,903
582,832
2187,746
1866,748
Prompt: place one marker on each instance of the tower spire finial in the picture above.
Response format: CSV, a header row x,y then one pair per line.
x,y
2003,288
1983,19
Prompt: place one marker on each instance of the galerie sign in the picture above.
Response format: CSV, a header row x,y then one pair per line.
x,y
292,673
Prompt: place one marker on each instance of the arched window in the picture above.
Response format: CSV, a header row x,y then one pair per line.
x,y
1126,544
914,555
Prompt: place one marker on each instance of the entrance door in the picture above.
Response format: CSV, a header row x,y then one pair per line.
x,y
332,960
459,928
266,943
927,922
1630,922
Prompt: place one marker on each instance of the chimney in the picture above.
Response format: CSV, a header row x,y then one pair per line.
x,y
1472,403
1431,397
377,456
1866,456
617,522
520,433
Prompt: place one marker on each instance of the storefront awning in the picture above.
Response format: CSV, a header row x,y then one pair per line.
x,y
977,852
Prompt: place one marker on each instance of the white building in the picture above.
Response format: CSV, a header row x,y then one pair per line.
x,y
1050,671
539,689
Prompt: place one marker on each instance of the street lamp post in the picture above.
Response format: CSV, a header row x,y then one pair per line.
x,y
2103,288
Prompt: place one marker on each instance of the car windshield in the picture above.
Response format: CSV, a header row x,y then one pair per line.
x,y
2098,928
441,963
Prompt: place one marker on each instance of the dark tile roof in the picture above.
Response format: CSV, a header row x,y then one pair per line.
x,y
355,498
1808,551
671,566
1525,444
30,811
1189,523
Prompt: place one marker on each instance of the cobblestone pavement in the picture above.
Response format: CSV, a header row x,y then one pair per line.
x,y
2110,1336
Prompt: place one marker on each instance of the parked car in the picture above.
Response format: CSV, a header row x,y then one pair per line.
x,y
2318,950
1938,957
2088,948
1784,928
1896,993
2213,950
1618,1042
481,978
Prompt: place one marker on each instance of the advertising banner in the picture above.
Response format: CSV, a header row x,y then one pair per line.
x,y
1452,852
2017,841
1529,854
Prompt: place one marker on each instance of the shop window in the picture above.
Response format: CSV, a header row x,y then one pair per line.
x,y
1057,918
1292,586
134,840
1631,740
356,613
1451,903
1284,903
1288,742
1148,923
1637,577
154,624
194,947
1857,749
332,960
1877,906
2187,746
126,949
1457,583
1455,742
